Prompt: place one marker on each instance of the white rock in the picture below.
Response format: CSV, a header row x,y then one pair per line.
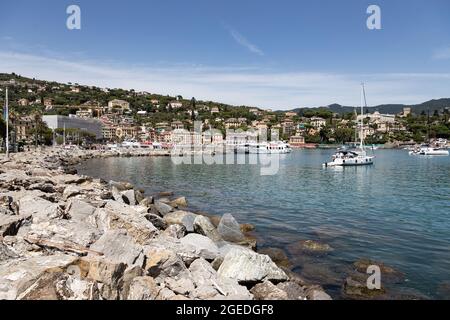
x,y
248,266
204,246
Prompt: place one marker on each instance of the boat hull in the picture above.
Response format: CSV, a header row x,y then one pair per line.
x,y
350,162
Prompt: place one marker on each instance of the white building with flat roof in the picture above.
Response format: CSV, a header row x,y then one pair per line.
x,y
59,122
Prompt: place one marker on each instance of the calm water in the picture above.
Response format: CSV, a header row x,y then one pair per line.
x,y
397,211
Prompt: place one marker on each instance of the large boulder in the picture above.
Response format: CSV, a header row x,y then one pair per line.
x,y
121,216
204,246
106,272
182,284
43,186
247,266
162,262
268,291
16,276
186,252
129,197
176,231
118,247
203,225
79,210
71,191
162,208
184,218
209,285
229,229
143,288
156,220
179,202
62,233
61,286
40,209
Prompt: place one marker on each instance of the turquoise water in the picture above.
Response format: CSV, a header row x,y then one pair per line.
x,y
397,211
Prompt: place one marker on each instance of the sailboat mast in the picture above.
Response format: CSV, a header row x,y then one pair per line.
x,y
362,117
7,123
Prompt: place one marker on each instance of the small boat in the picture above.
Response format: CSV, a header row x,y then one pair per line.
x,y
349,158
429,151
273,147
358,157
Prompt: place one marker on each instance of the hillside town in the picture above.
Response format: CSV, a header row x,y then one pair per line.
x,y
51,113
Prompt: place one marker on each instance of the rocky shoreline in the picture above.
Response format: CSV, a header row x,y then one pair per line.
x,y
72,237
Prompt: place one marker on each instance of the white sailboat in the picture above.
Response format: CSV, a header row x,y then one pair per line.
x,y
357,157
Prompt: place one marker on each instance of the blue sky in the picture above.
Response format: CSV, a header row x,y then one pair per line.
x,y
272,54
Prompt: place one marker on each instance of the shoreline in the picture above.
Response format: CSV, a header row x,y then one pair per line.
x,y
106,240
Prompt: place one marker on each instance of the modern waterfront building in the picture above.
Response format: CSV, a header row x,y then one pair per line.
x,y
61,122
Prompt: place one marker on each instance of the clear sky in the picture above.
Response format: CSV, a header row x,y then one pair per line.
x,y
273,54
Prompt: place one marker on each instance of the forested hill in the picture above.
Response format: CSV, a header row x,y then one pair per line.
x,y
432,106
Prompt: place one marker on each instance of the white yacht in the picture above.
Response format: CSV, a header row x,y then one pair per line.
x,y
274,147
357,157
427,150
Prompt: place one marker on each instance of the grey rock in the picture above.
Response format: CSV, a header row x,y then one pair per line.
x,y
317,293
210,285
103,270
164,244
156,220
129,274
147,202
203,225
16,276
10,225
162,262
268,291
40,209
117,195
120,186
143,288
293,290
179,202
181,284
43,186
204,246
139,196
162,208
64,232
71,191
129,197
184,218
8,205
79,210
229,229
247,266
6,253
60,286
118,247
176,231
120,216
